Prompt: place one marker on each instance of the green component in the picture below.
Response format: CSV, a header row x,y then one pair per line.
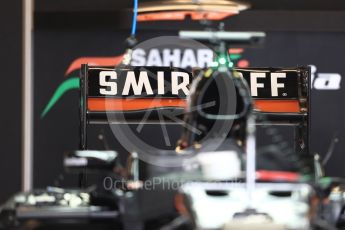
x,y
67,85
235,56
222,60
325,182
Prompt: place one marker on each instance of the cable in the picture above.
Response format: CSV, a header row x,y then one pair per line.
x,y
131,40
135,14
331,148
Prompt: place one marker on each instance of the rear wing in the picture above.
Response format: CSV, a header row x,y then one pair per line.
x,y
143,94
131,95
126,95
281,96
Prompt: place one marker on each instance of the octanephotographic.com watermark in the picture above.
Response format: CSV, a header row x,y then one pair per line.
x,y
161,183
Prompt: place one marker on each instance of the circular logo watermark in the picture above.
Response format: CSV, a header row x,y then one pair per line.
x,y
216,90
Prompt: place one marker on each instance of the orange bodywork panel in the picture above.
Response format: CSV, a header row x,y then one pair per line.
x,y
277,106
181,15
132,104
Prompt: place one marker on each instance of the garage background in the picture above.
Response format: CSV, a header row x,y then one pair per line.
x,y
298,33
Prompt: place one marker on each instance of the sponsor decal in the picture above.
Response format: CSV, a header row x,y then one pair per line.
x,y
272,84
138,83
172,57
324,81
186,58
163,81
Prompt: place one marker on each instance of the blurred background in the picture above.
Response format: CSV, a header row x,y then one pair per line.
x,y
299,32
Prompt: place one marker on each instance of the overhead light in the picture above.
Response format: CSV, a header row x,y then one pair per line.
x,y
221,35
233,38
